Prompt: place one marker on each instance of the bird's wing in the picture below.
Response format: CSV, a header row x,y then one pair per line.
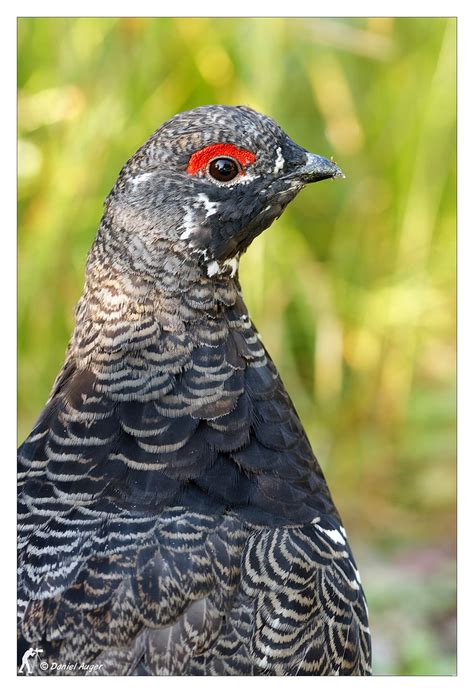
x,y
309,611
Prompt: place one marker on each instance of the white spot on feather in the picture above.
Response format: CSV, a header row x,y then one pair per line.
x,y
213,268
333,534
233,263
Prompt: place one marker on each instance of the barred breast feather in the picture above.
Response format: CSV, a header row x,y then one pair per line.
x,y
173,518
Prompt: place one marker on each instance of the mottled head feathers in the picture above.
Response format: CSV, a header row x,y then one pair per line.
x,y
166,198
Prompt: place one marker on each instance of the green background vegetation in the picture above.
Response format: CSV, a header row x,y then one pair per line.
x,y
353,290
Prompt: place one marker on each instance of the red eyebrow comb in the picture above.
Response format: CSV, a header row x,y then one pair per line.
x,y
201,158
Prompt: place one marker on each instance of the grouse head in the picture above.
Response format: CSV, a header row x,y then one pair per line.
x,y
204,185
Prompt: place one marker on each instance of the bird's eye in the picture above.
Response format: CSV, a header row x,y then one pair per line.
x,y
224,169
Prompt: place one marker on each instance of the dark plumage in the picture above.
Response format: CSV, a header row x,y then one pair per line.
x,y
173,518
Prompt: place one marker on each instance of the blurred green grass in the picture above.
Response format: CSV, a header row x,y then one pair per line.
x,y
353,290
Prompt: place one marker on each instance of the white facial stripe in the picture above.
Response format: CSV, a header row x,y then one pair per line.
x,y
209,206
279,161
189,222
188,225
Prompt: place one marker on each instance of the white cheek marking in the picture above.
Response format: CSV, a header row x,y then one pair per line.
x,y
188,224
209,206
279,161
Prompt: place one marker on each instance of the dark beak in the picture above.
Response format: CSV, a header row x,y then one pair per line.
x,y
317,168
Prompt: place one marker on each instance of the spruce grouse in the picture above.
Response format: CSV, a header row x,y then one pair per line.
x,y
173,519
